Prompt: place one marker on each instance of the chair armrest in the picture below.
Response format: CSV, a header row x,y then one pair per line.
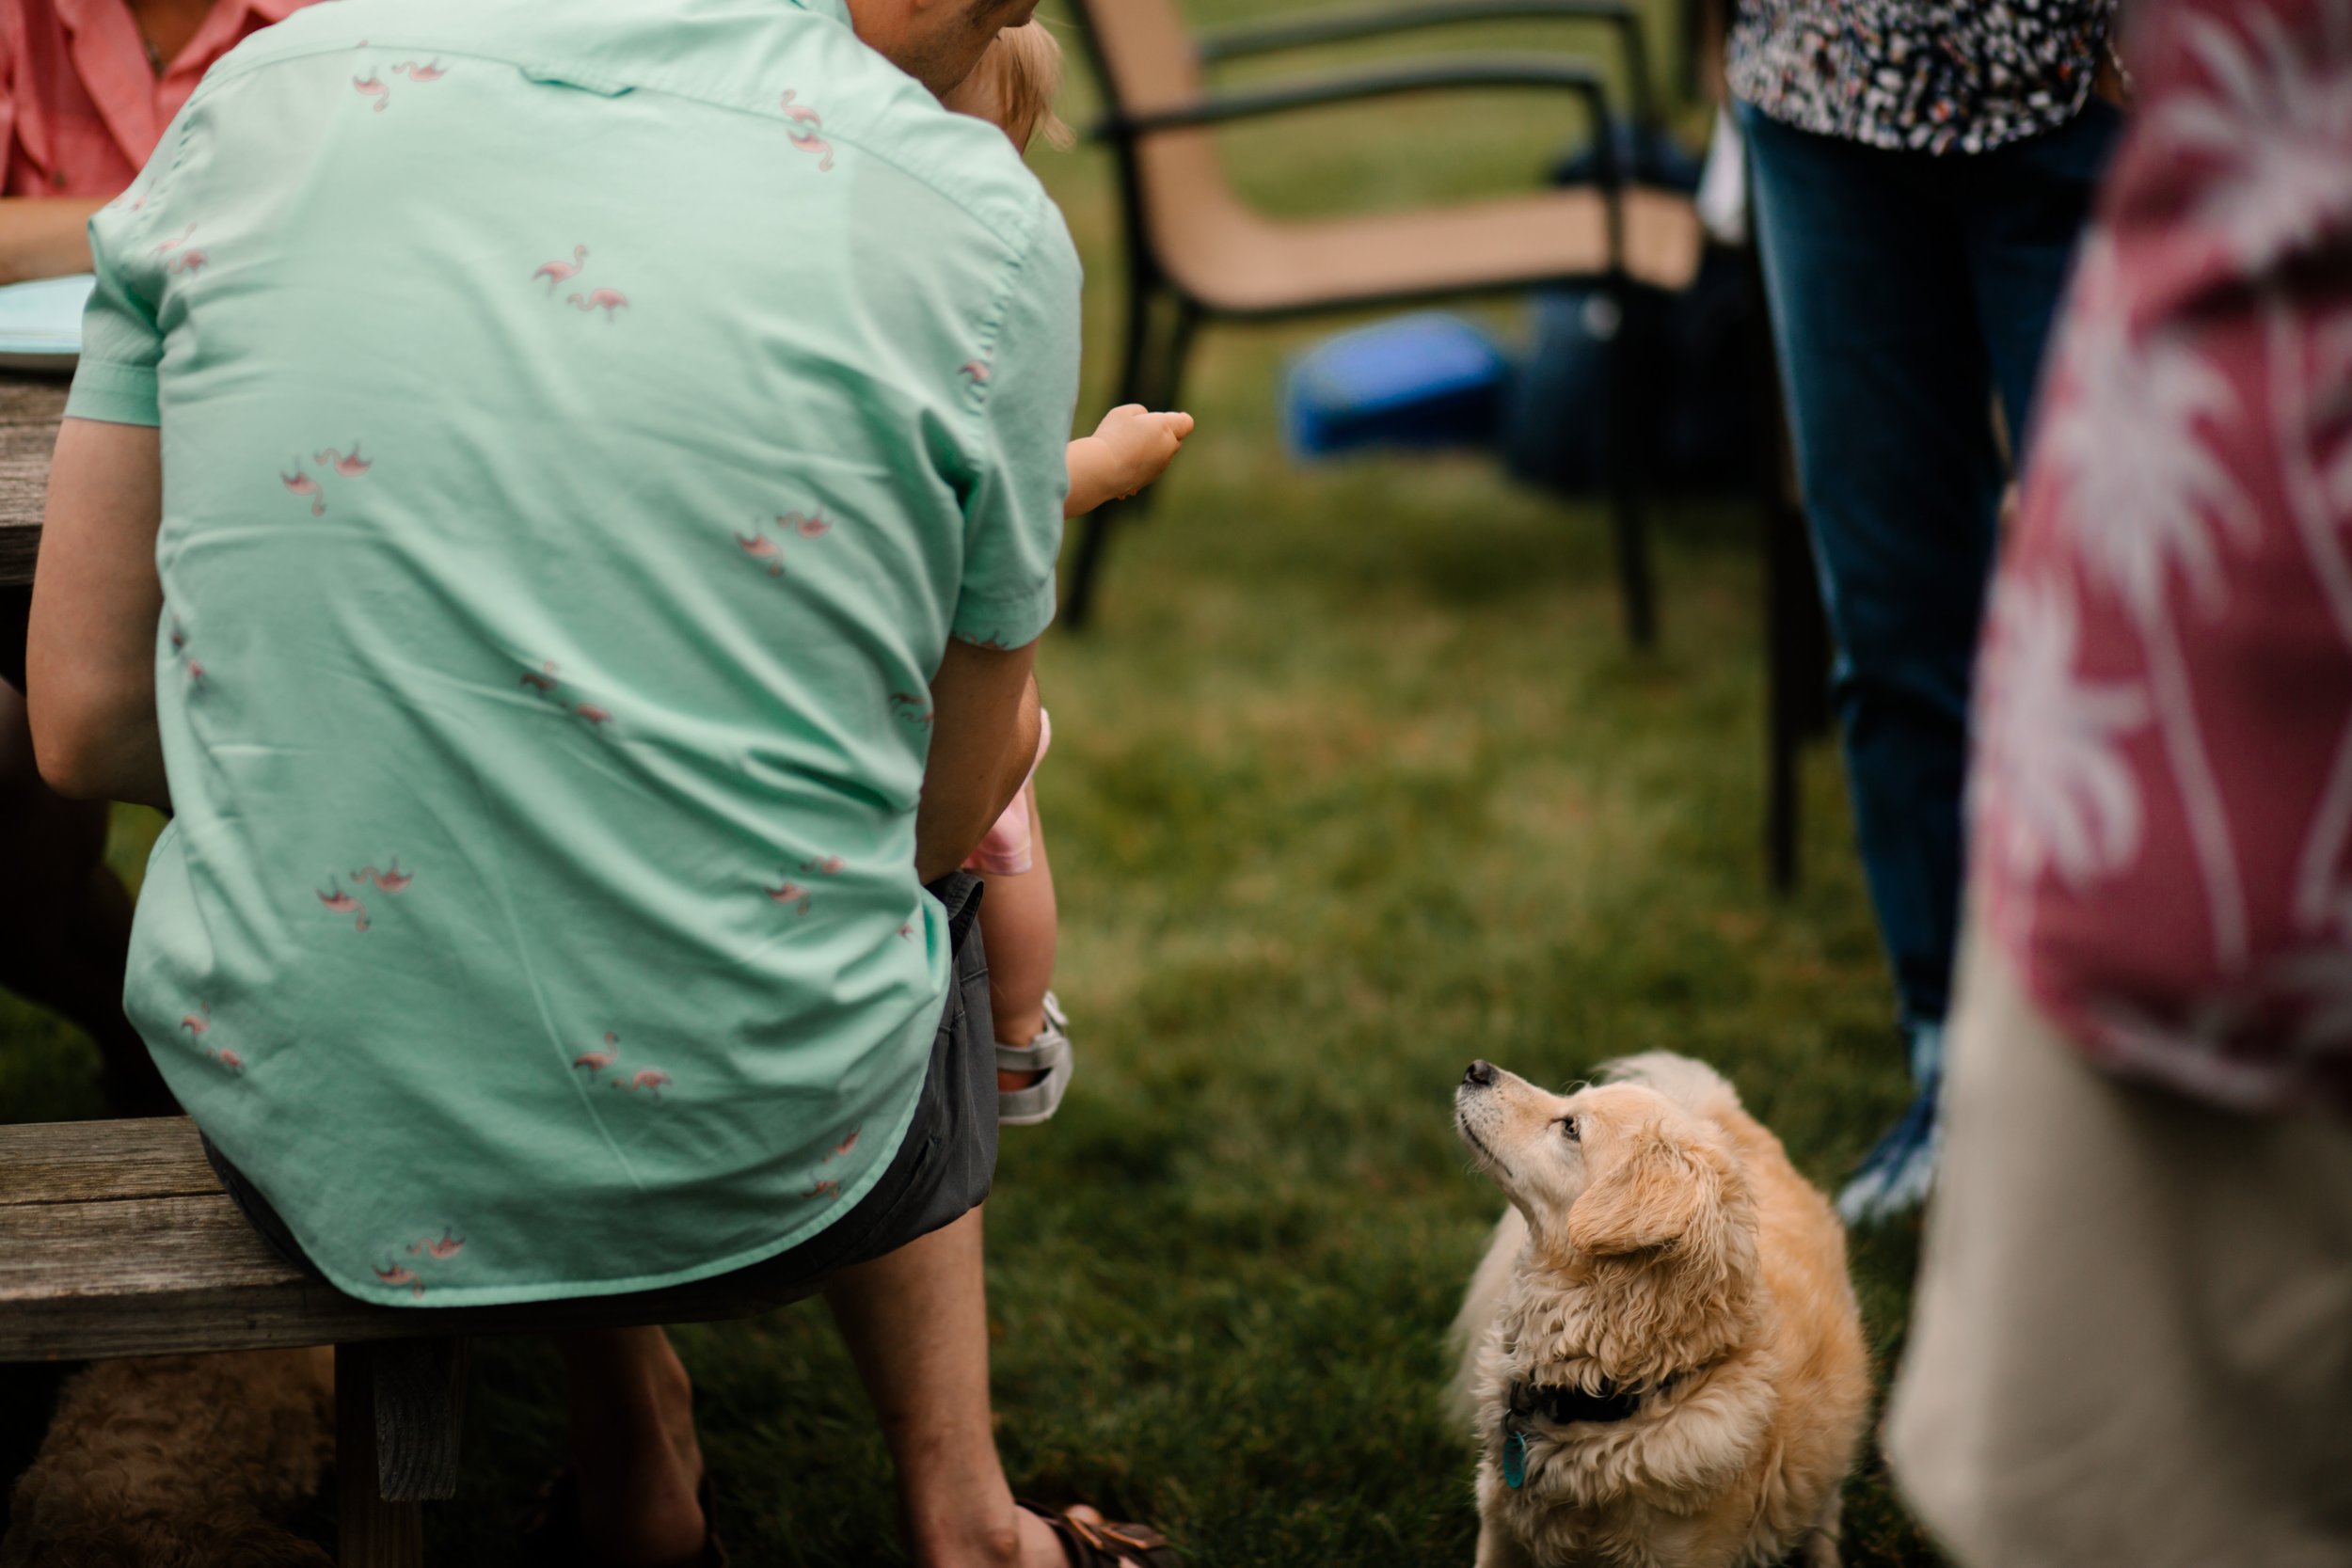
x,y
1418,15
1455,71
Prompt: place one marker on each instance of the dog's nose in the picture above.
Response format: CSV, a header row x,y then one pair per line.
x,y
1481,1072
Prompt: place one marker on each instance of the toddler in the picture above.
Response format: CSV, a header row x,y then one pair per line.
x,y
1012,89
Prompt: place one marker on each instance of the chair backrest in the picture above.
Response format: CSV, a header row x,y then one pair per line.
x,y
1144,54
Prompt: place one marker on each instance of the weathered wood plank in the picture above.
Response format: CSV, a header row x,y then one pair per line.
x,y
79,1162
165,1276
29,412
373,1532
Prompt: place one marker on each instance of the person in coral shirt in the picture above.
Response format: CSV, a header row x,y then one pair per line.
x,y
86,88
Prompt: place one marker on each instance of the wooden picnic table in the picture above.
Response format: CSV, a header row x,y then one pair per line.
x,y
30,407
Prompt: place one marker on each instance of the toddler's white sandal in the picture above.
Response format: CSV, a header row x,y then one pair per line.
x,y
1050,1055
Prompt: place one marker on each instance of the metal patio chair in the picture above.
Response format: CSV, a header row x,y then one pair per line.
x,y
1196,251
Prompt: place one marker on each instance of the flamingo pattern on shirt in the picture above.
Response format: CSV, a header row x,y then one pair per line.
x,y
648,1081
429,1253
188,661
379,91
561,270
588,301
807,130
391,879
199,1023
549,685
596,1061
304,485
441,1251
336,901
770,552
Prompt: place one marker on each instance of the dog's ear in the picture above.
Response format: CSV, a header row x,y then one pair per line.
x,y
1654,1194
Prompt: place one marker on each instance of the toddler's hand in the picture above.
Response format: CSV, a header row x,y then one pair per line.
x,y
1141,445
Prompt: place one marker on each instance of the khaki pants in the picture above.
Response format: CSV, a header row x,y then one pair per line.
x,y
2132,1339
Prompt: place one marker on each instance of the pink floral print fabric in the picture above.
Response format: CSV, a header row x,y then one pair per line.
x,y
2163,795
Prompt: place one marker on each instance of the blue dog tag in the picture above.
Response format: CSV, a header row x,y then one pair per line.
x,y
1514,1461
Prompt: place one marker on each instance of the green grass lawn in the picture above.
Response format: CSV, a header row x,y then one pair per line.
x,y
1355,780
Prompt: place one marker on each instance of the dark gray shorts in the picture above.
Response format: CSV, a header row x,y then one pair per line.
x,y
940,1172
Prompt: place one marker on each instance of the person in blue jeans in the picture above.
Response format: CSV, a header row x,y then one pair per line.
x,y
1920,176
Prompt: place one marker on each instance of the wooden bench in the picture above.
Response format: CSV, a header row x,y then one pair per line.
x,y
116,1239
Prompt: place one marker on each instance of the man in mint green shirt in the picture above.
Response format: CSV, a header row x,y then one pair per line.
x,y
559,501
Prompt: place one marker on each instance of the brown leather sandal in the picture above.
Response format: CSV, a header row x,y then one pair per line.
x,y
1100,1543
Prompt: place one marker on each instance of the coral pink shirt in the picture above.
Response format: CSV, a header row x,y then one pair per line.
x,y
80,107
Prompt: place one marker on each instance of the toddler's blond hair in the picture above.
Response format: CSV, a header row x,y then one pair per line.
x,y
1014,86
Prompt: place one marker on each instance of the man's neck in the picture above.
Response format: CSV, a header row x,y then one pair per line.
x,y
168,25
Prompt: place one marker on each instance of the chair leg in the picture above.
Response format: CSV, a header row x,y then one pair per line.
x,y
1796,626
1166,383
1784,561
375,1533
1627,481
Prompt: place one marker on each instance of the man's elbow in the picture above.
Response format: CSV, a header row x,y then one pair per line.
x,y
75,743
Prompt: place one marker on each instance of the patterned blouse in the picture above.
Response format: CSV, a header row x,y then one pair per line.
x,y
1919,75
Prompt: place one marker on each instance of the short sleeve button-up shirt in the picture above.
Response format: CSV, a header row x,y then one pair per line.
x,y
583,426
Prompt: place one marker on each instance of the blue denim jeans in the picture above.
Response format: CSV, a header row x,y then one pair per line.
x,y
1907,290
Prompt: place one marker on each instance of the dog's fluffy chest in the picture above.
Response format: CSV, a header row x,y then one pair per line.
x,y
1614,1493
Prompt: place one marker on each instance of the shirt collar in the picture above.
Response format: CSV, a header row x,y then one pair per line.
x,y
108,57
837,9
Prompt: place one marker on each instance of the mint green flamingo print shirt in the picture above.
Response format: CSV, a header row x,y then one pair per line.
x,y
583,427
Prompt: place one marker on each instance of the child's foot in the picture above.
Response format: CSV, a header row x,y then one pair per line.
x,y
1031,1078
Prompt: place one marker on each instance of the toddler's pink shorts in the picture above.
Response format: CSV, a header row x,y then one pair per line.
x,y
1007,850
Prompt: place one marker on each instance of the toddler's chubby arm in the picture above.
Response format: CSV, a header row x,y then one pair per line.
x,y
1130,449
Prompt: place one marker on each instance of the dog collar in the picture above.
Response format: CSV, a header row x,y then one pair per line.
x,y
1561,1406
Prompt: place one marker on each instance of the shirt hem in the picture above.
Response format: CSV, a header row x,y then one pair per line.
x,y
447,1296
113,393
1973,141
1012,621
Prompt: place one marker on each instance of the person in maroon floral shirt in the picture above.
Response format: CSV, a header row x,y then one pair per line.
x,y
2133,1335
1922,171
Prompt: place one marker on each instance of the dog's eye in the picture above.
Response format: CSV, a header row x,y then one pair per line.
x,y
1568,1130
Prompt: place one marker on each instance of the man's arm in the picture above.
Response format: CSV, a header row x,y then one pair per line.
x,y
42,236
984,735
90,653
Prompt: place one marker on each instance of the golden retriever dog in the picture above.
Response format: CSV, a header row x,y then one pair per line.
x,y
1661,1355
179,1462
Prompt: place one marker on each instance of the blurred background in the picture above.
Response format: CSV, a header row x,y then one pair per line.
x,y
1355,777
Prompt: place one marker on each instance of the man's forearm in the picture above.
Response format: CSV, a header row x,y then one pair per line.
x,y
44,236
983,744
